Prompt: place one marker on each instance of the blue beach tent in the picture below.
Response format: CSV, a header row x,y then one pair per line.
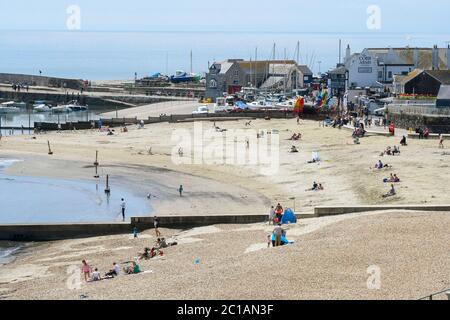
x,y
289,217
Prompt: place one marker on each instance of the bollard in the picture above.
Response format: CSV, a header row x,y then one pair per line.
x,y
96,164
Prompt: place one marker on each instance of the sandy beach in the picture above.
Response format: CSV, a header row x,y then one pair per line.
x,y
329,258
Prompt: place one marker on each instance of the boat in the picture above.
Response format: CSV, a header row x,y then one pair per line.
x,y
61,109
181,76
21,105
42,108
73,106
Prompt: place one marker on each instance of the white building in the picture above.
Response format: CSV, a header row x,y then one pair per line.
x,y
376,67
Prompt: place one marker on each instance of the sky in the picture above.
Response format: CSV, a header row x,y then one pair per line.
x,y
346,16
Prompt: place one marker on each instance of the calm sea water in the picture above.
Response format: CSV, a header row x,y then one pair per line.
x,y
118,55
45,200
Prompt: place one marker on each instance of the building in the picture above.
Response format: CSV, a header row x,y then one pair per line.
x,y
337,79
422,82
231,75
376,67
443,98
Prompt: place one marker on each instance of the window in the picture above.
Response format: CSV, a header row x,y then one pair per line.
x,y
236,73
390,74
380,74
213,83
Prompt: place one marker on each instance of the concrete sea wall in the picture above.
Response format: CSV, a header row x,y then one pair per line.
x,y
436,123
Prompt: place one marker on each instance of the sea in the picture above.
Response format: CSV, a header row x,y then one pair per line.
x,y
118,55
31,200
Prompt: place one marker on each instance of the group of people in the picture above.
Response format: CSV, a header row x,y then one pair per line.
x,y
276,214
392,178
296,137
91,274
18,87
156,250
391,151
316,187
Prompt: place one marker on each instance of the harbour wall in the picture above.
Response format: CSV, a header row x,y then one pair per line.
x,y
50,232
42,81
435,123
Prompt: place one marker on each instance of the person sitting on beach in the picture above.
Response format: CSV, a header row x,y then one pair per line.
x,y
403,141
125,129
114,272
390,179
134,269
278,232
86,270
110,133
314,187
96,275
380,165
320,187
294,149
390,193
426,133
146,255
396,150
396,179
161,243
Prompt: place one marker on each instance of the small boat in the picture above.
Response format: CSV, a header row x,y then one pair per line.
x,y
73,106
21,105
181,76
61,109
201,110
42,108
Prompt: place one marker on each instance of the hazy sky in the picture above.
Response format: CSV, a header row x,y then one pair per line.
x,y
405,16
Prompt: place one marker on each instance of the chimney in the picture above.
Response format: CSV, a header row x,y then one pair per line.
x,y
347,53
435,58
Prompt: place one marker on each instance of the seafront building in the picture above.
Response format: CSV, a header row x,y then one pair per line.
x,y
378,67
231,75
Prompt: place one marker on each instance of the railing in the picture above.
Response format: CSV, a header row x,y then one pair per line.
x,y
430,297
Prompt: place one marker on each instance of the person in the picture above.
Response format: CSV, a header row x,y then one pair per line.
x,y
86,270
403,141
278,232
392,129
441,141
391,192
161,243
315,186
271,214
134,269
123,206
396,179
96,275
426,133
156,225
114,272
180,190
390,179
320,187
269,240
135,232
396,150
294,149
279,212
380,165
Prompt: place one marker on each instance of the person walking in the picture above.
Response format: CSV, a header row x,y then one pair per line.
x,y
180,190
441,141
156,225
271,214
123,205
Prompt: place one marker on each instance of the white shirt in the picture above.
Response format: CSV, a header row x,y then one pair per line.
x,y
117,269
123,205
95,275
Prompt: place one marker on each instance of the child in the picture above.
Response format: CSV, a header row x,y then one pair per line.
x,y
269,240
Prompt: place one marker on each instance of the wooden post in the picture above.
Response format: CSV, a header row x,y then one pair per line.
x,y
108,189
96,165
50,152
